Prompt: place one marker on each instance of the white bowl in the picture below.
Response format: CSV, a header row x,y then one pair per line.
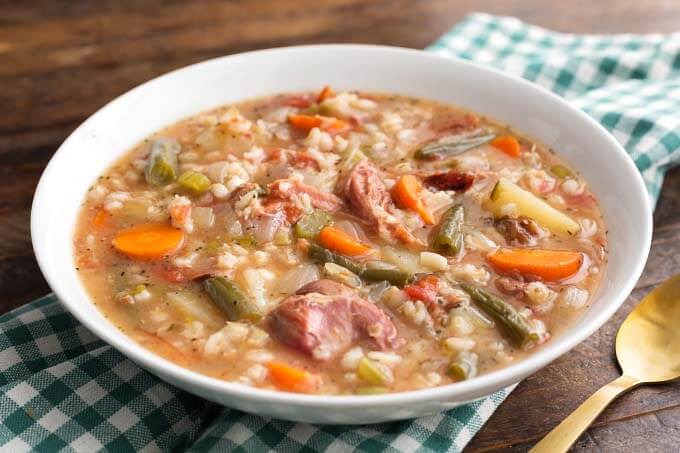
x,y
114,129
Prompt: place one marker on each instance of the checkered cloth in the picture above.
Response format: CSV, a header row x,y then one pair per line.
x,y
629,83
63,389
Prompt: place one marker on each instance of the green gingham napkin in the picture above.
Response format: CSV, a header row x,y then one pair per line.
x,y
62,388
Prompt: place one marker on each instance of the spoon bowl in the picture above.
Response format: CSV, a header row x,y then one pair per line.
x,y
648,342
647,346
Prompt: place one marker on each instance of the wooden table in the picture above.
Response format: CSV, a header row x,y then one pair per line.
x,y
61,61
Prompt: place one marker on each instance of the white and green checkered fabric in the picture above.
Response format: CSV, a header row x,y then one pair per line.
x,y
63,389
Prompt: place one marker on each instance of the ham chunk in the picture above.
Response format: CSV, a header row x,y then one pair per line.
x,y
369,199
324,325
521,231
180,214
451,180
454,123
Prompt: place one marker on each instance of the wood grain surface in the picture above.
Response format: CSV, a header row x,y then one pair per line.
x,y
60,60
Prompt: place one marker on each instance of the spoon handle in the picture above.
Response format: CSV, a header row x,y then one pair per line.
x,y
566,433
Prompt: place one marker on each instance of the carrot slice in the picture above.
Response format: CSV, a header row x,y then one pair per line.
x,y
550,265
148,241
327,92
406,193
341,242
293,379
308,122
508,144
304,122
333,125
100,218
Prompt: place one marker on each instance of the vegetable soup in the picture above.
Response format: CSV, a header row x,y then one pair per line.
x,y
340,243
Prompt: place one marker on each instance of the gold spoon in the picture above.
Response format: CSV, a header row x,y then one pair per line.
x,y
648,350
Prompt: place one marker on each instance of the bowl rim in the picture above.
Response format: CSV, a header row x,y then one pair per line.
x,y
467,390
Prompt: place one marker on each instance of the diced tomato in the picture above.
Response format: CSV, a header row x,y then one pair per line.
x,y
293,212
425,289
274,154
301,102
273,205
355,120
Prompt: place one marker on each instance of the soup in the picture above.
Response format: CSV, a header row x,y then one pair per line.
x,y
350,243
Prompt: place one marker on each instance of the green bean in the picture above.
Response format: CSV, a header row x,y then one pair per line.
x,y
162,166
373,372
449,238
230,299
194,182
322,255
462,367
451,146
310,225
341,275
379,272
371,390
561,171
512,323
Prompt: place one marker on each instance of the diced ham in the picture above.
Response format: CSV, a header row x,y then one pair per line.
x,y
451,180
455,123
292,190
518,231
511,286
370,200
324,325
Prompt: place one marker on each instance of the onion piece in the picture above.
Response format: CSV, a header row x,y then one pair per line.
x,y
295,278
203,217
405,260
267,225
354,230
191,306
342,275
